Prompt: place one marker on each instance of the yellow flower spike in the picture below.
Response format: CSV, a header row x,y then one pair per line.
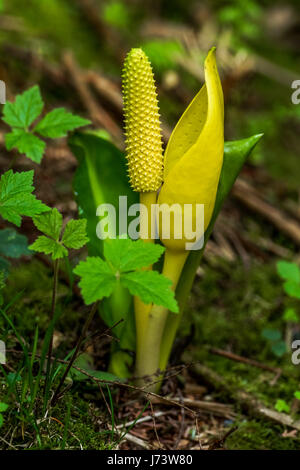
x,y
144,151
193,163
142,126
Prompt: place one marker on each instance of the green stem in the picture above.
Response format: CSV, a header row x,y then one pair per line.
x,y
148,356
182,293
75,353
142,310
52,312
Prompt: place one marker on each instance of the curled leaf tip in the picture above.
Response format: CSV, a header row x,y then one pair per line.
x,y
144,150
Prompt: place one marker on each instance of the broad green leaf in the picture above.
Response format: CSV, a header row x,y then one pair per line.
x,y
288,271
292,289
49,223
127,255
26,143
100,178
97,279
25,109
75,234
58,123
12,244
48,246
1,420
16,199
151,287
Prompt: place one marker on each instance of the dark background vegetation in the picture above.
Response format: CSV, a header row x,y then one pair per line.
x,y
74,50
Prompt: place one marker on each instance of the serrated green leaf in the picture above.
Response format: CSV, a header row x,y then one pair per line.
x,y
75,234
292,289
12,138
26,143
49,223
58,123
12,244
48,246
288,271
151,287
97,279
127,255
16,199
25,109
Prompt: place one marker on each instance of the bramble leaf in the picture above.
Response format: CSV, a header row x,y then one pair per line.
x,y
97,279
25,109
49,223
75,234
23,112
58,123
16,199
49,247
151,287
26,143
126,255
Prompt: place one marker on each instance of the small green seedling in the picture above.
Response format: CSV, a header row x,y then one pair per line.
x,y
274,337
290,274
55,243
282,406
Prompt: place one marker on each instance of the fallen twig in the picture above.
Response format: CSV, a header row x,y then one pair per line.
x,y
245,193
244,360
98,114
247,401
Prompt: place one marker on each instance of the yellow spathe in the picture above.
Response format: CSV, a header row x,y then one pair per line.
x,y
194,155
